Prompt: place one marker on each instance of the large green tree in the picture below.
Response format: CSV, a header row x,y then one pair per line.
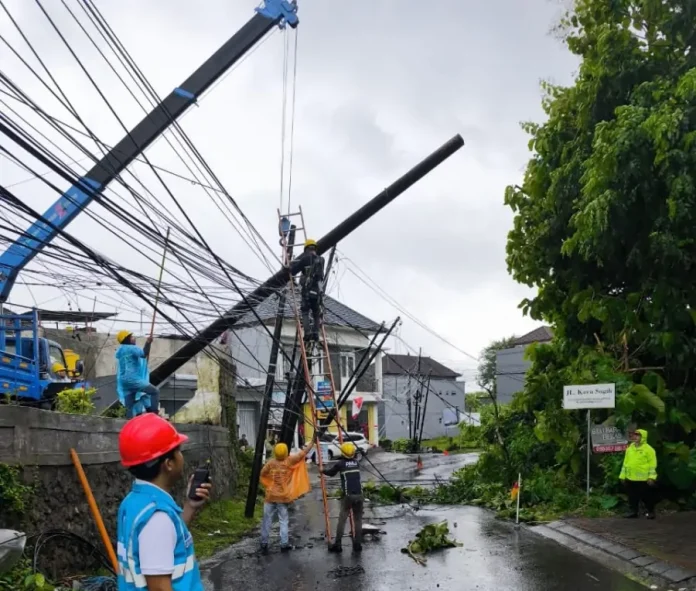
x,y
605,220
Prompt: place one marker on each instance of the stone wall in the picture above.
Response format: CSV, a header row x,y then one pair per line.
x,y
39,443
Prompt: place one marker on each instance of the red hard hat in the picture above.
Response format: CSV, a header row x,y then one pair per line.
x,y
146,438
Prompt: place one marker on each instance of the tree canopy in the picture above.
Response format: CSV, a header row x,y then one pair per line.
x,y
605,227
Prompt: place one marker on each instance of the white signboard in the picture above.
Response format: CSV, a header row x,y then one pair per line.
x,y
589,396
450,416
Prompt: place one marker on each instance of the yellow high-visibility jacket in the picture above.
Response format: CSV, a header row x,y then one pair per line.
x,y
640,462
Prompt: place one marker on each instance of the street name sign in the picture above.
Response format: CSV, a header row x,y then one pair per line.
x,y
589,396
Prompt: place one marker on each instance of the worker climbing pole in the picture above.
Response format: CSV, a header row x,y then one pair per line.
x,y
314,348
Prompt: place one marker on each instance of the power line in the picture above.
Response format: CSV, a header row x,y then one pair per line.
x,y
369,282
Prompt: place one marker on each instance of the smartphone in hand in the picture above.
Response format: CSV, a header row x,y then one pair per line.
x,y
200,476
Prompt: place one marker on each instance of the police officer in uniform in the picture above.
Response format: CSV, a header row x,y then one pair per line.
x,y
155,547
311,282
352,498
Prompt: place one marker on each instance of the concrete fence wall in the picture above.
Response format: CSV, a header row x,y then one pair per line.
x,y
39,442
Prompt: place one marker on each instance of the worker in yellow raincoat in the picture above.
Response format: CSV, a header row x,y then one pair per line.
x,y
285,478
639,474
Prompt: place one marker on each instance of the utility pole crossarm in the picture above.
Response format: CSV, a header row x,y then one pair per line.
x,y
74,201
281,278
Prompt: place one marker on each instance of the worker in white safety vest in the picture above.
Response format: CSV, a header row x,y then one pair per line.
x,y
155,547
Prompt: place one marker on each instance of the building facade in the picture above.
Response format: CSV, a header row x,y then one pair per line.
x,y
348,333
511,366
401,384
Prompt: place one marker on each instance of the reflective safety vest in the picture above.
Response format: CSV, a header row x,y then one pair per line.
x,y
349,469
135,511
640,462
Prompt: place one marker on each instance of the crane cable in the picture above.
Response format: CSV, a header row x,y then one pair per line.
x,y
287,144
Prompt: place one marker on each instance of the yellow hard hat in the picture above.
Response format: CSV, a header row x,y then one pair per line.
x,y
310,242
122,335
57,367
280,451
348,449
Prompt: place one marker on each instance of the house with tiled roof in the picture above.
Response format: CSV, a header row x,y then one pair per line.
x,y
349,334
404,377
511,366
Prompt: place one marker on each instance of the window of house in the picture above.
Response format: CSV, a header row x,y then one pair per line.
x,y
347,365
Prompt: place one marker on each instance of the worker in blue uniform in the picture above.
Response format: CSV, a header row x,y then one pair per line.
x,y
135,391
155,547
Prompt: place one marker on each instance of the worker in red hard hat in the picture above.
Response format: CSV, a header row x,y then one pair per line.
x,y
155,547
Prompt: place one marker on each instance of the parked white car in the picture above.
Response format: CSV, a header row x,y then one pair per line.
x,y
330,443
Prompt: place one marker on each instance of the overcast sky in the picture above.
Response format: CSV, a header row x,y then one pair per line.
x,y
379,85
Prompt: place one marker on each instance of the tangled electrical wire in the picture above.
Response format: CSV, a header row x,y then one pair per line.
x,y
134,208
203,285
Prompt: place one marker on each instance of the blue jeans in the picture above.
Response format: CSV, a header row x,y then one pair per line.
x,y
151,391
270,510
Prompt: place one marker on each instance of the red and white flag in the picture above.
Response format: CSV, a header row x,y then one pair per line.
x,y
357,406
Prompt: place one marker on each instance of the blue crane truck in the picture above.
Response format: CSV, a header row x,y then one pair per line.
x,y
26,359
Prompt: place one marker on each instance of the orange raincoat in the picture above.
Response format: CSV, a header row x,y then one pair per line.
x,y
286,480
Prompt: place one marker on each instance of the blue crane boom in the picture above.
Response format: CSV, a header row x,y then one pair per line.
x,y
71,203
27,363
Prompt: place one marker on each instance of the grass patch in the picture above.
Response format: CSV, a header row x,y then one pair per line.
x,y
220,524
451,445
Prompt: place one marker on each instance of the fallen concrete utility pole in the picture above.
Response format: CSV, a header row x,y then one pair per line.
x,y
281,278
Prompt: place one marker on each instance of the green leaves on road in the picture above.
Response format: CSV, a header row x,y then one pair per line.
x,y
434,536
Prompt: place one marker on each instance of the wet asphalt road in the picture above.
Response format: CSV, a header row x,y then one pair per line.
x,y
494,556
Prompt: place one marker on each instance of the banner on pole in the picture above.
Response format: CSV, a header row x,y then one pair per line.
x,y
357,407
515,491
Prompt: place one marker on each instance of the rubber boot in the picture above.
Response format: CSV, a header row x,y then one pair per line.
x,y
335,548
357,548
264,549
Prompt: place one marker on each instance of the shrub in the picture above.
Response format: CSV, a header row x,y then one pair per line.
x,y
14,494
76,401
401,445
118,411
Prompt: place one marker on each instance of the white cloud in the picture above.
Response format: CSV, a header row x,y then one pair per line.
x,y
379,86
